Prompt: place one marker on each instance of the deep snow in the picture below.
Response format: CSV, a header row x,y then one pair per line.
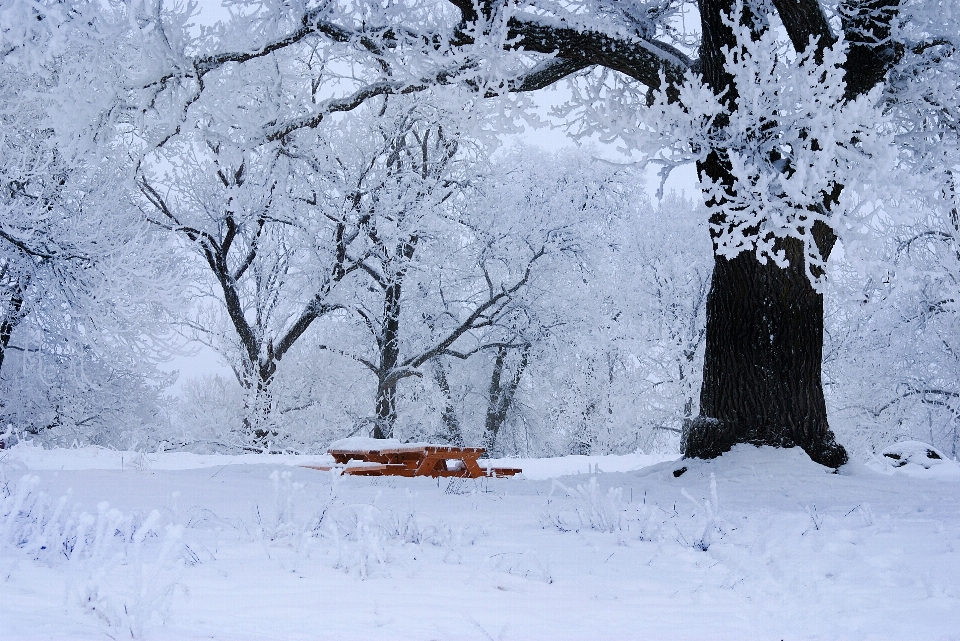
x,y
760,543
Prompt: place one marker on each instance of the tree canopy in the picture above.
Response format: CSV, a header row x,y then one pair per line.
x,y
809,123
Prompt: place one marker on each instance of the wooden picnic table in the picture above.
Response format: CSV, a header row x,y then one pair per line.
x,y
416,460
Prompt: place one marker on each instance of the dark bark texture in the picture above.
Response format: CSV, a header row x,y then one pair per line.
x,y
389,344
10,321
449,418
14,314
764,345
503,388
762,366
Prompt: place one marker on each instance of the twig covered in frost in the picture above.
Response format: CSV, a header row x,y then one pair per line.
x,y
365,538
593,508
816,518
713,525
283,521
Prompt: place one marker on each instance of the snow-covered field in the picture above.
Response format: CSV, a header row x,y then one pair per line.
x,y
759,544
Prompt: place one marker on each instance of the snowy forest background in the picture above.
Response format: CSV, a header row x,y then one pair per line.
x,y
402,267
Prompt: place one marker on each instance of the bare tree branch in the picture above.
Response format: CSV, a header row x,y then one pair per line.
x,y
476,318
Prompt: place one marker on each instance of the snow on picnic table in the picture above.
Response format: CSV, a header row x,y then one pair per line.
x,y
760,543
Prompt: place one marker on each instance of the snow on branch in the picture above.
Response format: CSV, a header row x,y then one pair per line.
x,y
801,156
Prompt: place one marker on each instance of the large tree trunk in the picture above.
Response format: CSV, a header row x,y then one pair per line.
x,y
762,366
764,343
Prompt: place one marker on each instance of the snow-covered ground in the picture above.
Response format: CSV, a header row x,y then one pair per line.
x,y
759,544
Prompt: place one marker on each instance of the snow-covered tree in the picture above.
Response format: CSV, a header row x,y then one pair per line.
x,y
578,200
441,266
796,115
83,283
782,121
891,361
619,369
272,253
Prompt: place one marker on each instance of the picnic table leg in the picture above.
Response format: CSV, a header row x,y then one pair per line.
x,y
428,466
470,462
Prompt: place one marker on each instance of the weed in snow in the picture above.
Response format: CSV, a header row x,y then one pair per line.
x,y
527,565
365,538
280,520
865,514
358,538
591,508
712,526
121,568
815,518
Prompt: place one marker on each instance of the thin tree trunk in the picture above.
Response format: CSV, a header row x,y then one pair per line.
x,y
688,402
258,403
386,405
10,321
500,397
448,416
386,410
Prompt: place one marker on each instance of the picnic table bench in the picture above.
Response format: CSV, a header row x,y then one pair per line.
x,y
415,460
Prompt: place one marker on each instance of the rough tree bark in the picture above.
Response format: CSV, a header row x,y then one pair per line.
x,y
389,344
764,345
11,319
761,373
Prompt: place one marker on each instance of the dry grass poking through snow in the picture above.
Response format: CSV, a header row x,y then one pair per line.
x,y
760,543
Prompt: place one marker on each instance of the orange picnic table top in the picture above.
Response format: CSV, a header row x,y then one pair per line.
x,y
415,460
